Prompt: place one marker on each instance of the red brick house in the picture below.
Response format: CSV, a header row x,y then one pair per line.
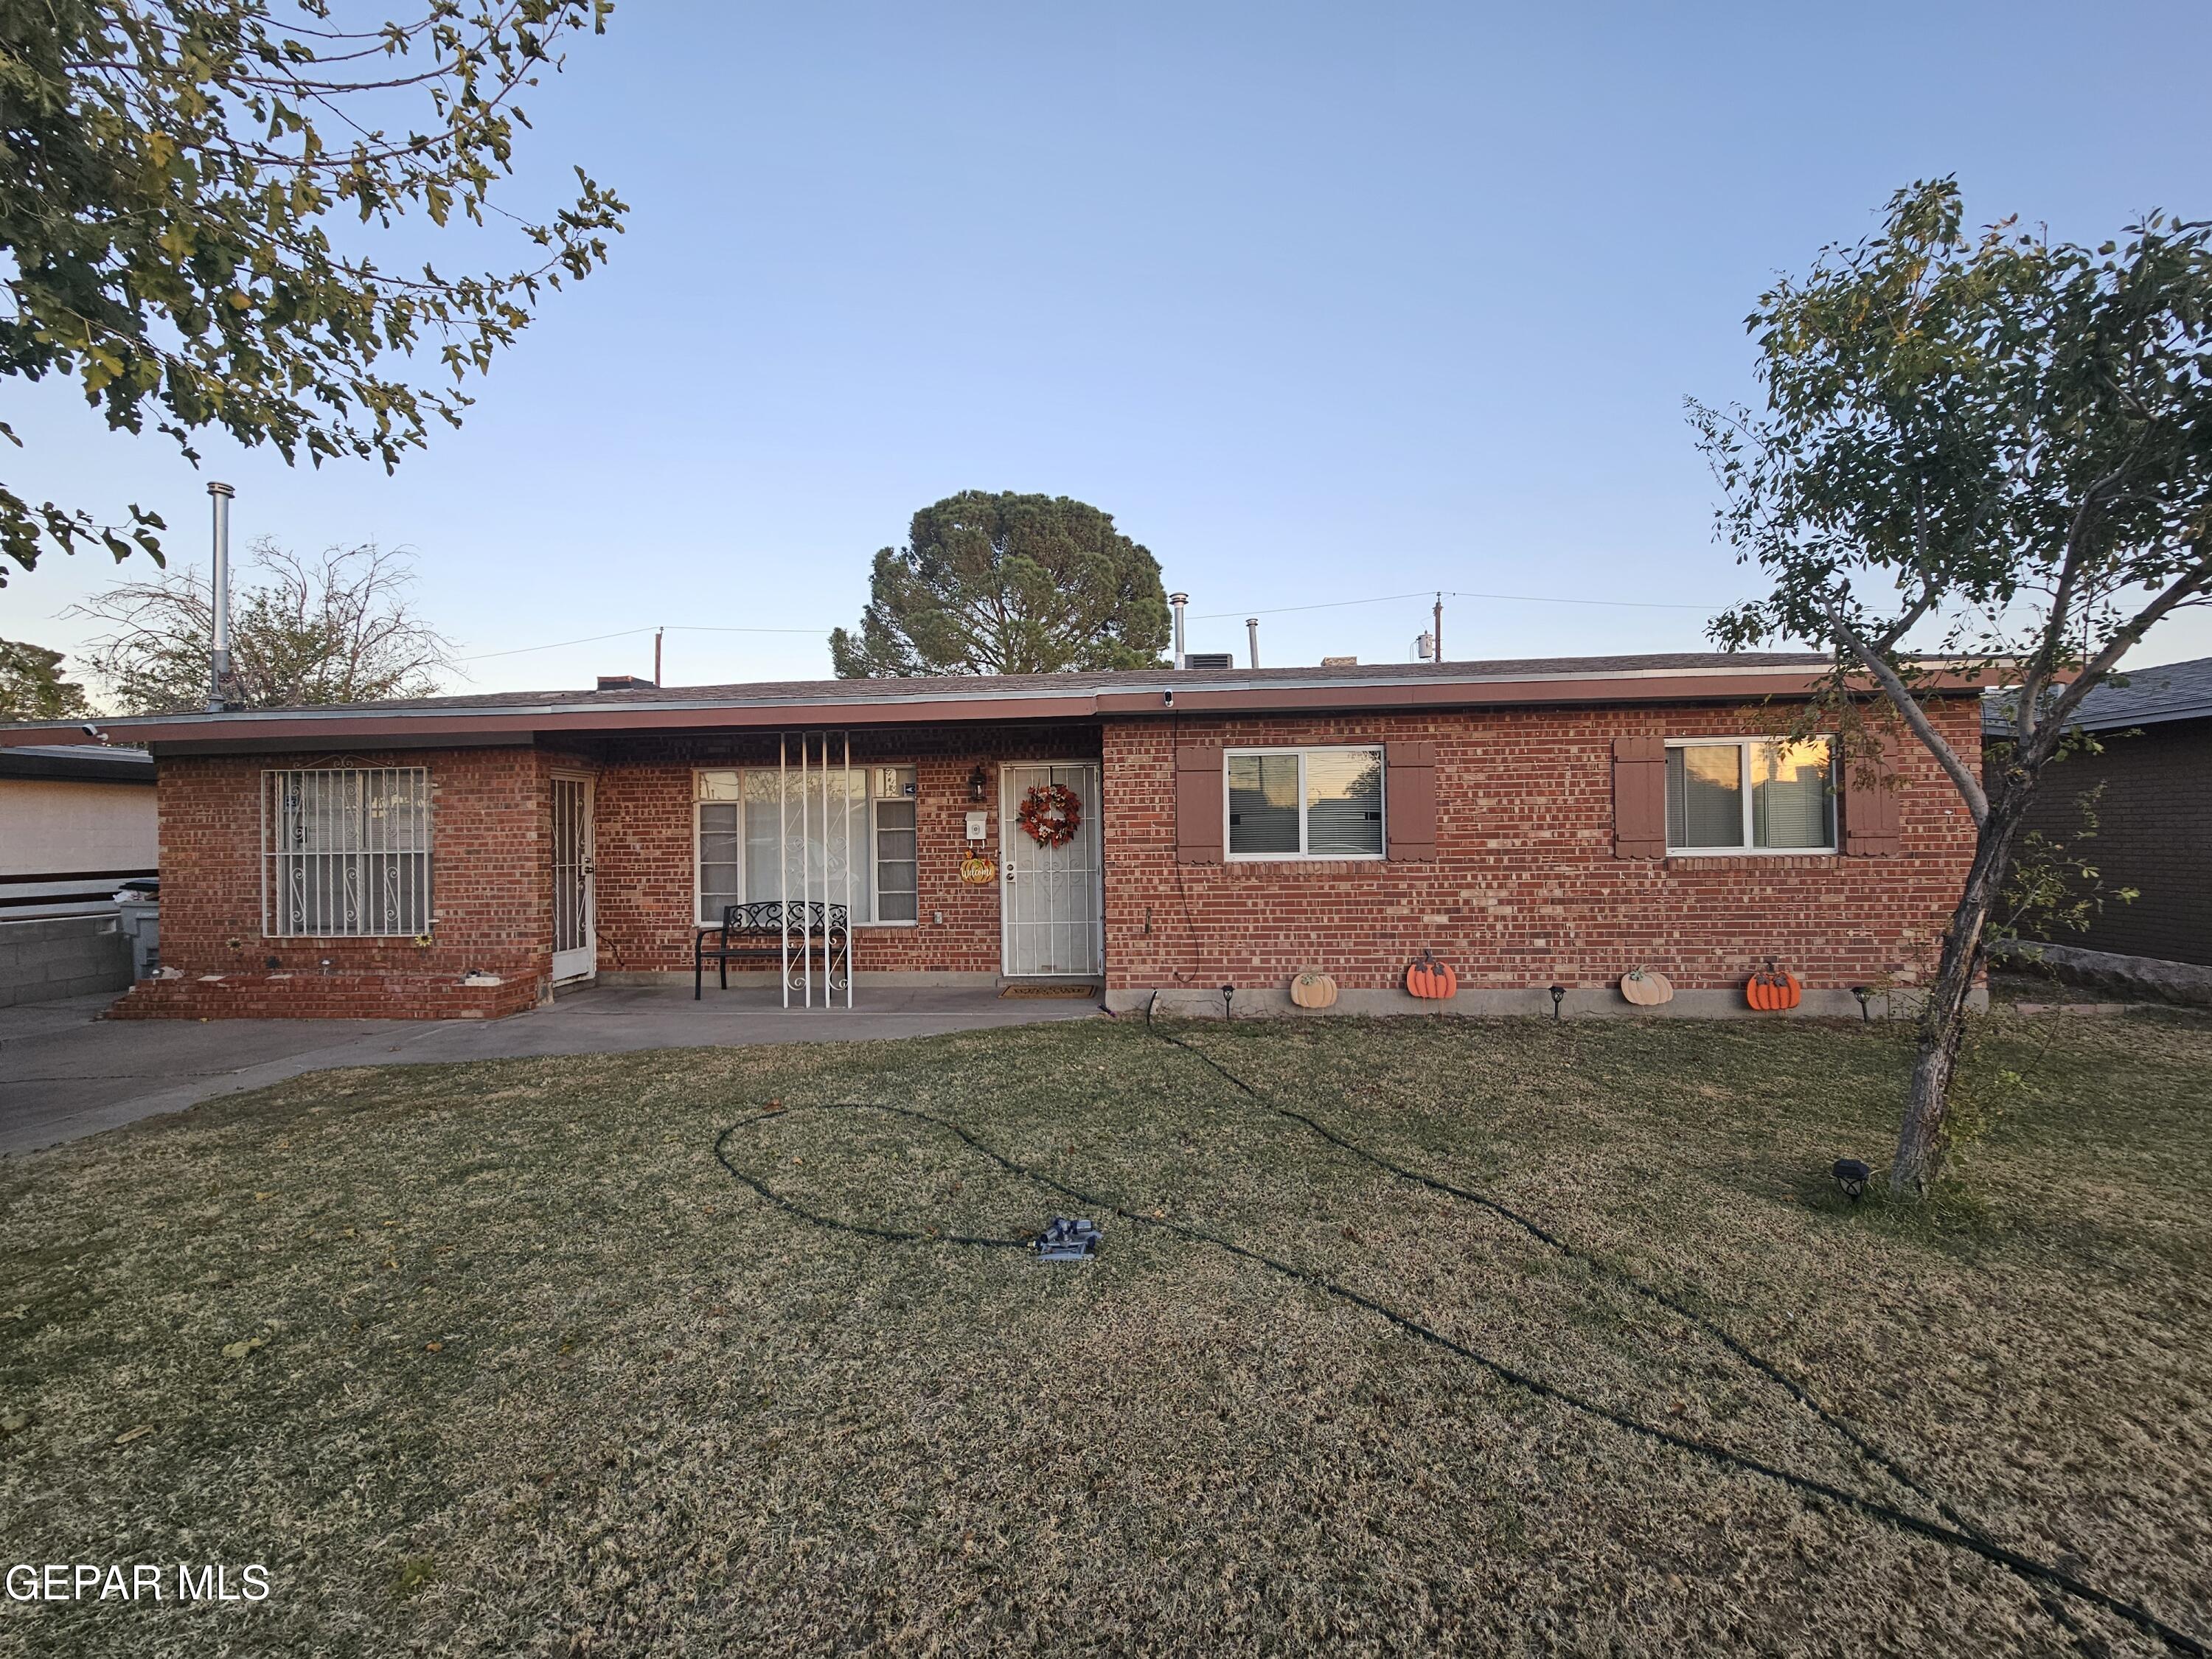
x,y
1539,821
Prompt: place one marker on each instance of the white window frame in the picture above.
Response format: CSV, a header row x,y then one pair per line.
x,y
876,861
421,890
1743,747
1302,856
867,773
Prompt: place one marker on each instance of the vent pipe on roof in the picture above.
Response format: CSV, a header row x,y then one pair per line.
x,y
220,681
1252,638
1176,602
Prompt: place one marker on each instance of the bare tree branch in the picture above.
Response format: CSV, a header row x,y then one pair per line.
x,y
339,628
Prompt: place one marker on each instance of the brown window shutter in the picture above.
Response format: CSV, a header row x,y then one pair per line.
x,y
1197,805
1870,816
1639,797
1409,801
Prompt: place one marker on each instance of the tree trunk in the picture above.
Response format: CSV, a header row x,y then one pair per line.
x,y
1919,1156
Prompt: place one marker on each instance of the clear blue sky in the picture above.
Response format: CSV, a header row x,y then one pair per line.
x,y
1320,302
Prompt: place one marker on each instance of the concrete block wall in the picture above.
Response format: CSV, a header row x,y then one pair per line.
x,y
55,957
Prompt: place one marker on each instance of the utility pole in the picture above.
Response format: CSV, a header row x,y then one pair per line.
x,y
1439,634
656,656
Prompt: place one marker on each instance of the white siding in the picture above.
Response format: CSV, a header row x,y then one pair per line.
x,y
55,823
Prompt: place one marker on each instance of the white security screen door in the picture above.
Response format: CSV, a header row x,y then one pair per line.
x,y
575,955
1054,919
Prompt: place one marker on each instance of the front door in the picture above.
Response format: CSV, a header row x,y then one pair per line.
x,y
1054,919
575,953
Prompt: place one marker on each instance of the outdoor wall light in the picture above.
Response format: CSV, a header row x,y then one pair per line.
x,y
1167,699
978,783
1865,994
1558,996
1851,1176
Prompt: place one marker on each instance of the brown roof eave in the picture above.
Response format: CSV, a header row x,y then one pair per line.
x,y
1534,692
430,728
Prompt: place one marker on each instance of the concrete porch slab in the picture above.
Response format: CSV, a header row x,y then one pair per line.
x,y
65,1073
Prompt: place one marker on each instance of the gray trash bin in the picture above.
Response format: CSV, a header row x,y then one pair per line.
x,y
142,925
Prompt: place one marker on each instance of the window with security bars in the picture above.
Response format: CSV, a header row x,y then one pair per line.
x,y
346,851
846,835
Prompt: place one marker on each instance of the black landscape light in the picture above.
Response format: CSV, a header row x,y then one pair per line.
x,y
1851,1176
1865,994
1558,996
977,783
1228,996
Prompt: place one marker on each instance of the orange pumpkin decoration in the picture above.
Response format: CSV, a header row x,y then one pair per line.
x,y
1429,978
1772,989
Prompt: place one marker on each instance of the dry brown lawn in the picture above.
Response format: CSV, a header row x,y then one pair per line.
x,y
498,1359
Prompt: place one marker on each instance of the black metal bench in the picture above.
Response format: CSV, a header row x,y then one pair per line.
x,y
755,932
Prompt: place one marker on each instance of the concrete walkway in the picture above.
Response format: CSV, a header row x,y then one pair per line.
x,y
65,1073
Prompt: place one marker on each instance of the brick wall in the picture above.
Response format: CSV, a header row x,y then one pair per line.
x,y
1526,889
490,896
323,996
645,855
2154,834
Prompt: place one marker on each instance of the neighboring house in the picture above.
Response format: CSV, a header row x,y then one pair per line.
x,y
2155,815
1539,821
76,821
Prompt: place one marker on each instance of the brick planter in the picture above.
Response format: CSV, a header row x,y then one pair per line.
x,y
323,996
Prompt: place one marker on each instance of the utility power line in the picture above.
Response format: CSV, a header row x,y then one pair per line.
x,y
1458,593
627,632
1209,616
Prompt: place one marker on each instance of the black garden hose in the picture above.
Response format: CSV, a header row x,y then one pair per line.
x,y
1840,1426
2035,1573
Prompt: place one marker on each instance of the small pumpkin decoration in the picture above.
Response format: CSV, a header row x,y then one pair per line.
x,y
1429,978
1647,987
1772,989
1313,989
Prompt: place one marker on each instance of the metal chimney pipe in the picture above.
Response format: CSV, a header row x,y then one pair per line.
x,y
219,674
1176,602
1252,638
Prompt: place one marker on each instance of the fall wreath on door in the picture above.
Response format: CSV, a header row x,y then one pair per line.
x,y
1051,813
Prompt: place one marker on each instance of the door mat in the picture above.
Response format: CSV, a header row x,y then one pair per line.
x,y
1084,992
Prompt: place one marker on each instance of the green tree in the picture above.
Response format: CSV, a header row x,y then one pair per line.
x,y
1999,446
336,628
188,192
1007,584
31,687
